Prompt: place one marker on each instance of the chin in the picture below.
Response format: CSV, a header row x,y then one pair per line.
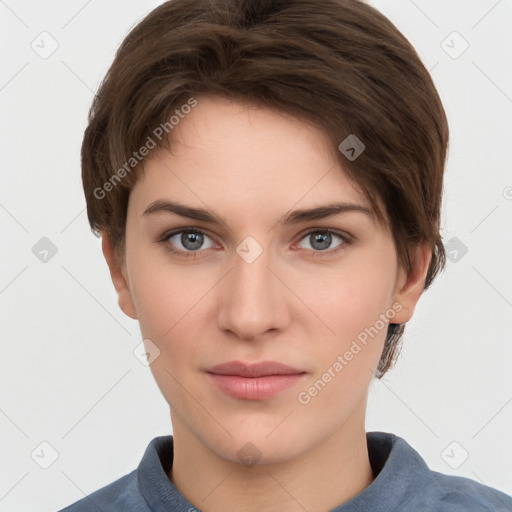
x,y
250,447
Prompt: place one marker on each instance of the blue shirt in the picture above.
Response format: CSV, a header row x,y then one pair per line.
x,y
403,483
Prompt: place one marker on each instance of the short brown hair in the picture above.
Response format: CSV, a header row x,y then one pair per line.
x,y
338,64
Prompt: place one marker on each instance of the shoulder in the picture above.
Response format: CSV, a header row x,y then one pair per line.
x,y
406,483
456,493
145,489
122,494
449,493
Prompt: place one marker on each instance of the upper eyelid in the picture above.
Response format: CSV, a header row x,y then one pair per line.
x,y
177,231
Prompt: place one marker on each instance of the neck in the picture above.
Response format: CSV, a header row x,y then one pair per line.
x,y
319,479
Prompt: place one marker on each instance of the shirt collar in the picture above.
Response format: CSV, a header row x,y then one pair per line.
x,y
401,475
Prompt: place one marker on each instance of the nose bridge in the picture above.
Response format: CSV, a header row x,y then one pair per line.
x,y
251,279
251,272
251,303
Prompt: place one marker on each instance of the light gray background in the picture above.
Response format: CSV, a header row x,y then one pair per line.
x,y
69,376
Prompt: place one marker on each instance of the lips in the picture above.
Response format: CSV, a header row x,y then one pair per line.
x,y
261,369
254,381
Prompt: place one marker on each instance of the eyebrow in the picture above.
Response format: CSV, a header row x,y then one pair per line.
x,y
291,218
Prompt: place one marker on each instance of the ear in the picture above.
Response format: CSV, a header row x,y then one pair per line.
x,y
117,273
410,286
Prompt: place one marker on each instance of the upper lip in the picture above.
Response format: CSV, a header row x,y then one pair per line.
x,y
260,369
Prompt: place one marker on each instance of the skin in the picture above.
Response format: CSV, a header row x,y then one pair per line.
x,y
252,166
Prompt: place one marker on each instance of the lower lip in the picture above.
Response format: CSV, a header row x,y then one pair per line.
x,y
255,388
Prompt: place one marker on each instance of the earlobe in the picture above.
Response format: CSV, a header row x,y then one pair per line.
x,y
124,297
410,287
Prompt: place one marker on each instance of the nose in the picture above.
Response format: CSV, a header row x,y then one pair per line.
x,y
253,298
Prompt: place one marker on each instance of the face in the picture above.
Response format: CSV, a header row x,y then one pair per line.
x,y
261,284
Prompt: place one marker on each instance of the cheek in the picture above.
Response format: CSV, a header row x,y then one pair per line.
x,y
352,332
170,308
349,351
346,302
167,315
157,305
158,293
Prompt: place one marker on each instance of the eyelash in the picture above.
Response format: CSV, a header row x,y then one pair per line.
x,y
194,254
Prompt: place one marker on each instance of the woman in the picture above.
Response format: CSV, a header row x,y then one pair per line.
x,y
267,180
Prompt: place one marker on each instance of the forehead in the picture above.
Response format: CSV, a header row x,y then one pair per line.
x,y
237,157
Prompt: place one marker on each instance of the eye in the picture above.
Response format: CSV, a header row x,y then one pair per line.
x,y
321,239
187,243
190,239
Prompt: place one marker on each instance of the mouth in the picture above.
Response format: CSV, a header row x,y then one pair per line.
x,y
261,369
257,381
